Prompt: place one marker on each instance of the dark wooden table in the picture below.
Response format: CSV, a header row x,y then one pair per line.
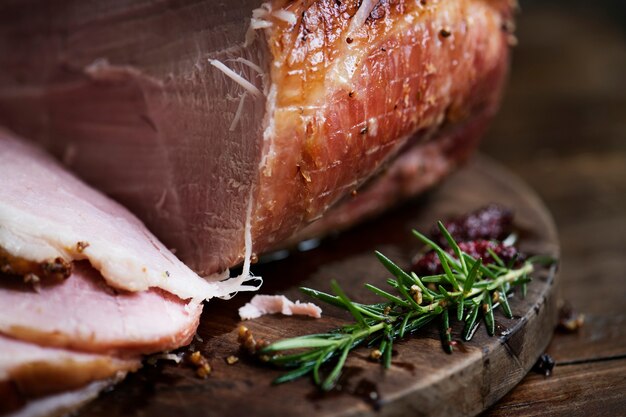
x,y
562,129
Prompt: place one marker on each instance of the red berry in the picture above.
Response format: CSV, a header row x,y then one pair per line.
x,y
429,264
489,222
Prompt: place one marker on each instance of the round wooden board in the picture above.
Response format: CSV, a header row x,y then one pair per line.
x,y
423,380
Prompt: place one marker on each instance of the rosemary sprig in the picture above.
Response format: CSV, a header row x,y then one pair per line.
x,y
466,290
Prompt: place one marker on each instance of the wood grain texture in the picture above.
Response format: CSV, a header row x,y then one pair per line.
x,y
423,380
591,386
562,129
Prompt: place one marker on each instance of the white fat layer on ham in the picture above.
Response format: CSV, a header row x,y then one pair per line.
x,y
272,304
83,313
229,288
45,211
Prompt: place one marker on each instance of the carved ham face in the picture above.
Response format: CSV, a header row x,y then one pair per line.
x,y
214,142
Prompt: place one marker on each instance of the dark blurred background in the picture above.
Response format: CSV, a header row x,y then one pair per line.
x,y
562,128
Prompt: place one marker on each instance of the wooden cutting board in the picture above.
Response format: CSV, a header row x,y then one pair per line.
x,y
423,380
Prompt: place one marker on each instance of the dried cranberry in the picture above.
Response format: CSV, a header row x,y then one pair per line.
x,y
489,222
429,264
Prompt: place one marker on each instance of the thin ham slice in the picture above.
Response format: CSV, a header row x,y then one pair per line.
x,y
83,313
85,289
47,215
64,403
30,371
272,304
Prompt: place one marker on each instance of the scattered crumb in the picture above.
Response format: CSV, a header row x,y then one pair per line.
x,y
232,359
569,320
203,371
416,293
248,343
196,359
375,354
271,304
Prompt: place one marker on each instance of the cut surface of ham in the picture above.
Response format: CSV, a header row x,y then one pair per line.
x,y
227,141
83,313
49,217
272,304
85,289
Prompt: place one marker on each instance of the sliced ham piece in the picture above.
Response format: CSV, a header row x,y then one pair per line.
x,y
49,218
30,371
227,144
62,404
272,304
83,313
85,289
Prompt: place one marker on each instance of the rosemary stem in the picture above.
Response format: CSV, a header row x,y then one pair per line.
x,y
467,287
508,277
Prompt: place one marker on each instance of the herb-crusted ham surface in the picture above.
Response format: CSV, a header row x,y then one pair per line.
x,y
213,142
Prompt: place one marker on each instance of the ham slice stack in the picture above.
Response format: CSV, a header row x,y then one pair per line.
x,y
230,128
85,288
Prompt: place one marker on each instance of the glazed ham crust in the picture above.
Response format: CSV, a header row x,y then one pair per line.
x,y
336,91
349,95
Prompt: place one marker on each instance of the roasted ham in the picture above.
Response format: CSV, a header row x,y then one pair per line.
x,y
230,126
49,218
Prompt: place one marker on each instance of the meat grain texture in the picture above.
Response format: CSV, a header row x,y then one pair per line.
x,y
382,97
85,289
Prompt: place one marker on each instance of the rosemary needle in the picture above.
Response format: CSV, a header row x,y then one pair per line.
x,y
468,287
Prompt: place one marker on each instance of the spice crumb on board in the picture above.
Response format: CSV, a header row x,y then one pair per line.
x,y
247,342
569,320
200,362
